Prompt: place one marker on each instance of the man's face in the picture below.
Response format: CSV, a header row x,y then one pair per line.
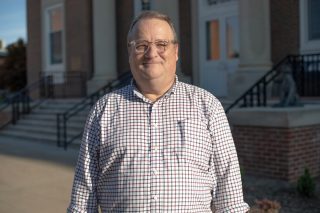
x,y
153,64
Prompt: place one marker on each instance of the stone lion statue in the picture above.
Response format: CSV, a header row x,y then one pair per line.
x,y
288,89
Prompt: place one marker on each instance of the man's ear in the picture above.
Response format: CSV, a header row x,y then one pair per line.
x,y
177,52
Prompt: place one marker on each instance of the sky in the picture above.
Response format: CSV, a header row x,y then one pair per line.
x,y
12,20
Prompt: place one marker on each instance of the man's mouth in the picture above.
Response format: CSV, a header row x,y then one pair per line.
x,y
151,63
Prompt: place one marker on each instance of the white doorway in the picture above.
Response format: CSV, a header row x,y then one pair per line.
x,y
218,40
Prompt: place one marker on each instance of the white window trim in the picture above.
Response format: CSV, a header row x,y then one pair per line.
x,y
48,67
306,46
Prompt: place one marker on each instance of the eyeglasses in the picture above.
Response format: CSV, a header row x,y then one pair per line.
x,y
142,46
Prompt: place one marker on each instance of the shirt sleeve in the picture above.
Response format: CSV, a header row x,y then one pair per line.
x,y
84,195
228,196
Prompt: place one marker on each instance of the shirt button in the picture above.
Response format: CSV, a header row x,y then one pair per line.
x,y
155,125
155,197
154,171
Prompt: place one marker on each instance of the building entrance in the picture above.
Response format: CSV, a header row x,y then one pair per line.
x,y
218,44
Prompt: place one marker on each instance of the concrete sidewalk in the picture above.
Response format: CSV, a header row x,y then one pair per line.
x,y
35,177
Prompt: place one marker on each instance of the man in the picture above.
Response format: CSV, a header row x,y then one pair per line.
x,y
157,145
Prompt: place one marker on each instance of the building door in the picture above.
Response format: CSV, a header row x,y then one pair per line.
x,y
218,44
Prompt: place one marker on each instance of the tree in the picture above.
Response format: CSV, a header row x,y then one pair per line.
x,y
14,73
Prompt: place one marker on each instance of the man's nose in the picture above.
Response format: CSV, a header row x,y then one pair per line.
x,y
152,51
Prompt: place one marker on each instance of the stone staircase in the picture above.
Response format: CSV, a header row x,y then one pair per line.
x,y
41,124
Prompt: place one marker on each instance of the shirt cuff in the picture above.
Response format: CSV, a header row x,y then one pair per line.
x,y
75,209
239,208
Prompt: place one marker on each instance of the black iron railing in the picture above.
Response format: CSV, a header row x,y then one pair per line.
x,y
64,138
305,72
68,84
20,103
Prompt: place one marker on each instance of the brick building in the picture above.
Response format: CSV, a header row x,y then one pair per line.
x,y
223,42
225,45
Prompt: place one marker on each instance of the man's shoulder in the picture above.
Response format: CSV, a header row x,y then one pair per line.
x,y
207,104
117,93
198,92
114,96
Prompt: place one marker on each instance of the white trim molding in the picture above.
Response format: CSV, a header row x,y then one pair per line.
x,y
57,70
306,45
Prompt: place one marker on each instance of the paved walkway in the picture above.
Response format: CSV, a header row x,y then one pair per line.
x,y
35,177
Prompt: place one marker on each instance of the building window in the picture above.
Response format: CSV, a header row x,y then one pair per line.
x,y
54,42
309,26
313,19
55,35
213,40
142,5
145,5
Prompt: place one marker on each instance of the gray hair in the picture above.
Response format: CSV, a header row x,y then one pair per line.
x,y
152,15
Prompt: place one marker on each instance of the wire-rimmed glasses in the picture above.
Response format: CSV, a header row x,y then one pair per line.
x,y
142,46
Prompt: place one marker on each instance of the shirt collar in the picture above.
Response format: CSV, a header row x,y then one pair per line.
x,y
137,93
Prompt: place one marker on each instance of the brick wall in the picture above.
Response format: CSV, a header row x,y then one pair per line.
x,y
285,29
79,45
34,44
281,153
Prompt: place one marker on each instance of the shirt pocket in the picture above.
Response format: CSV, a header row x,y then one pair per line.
x,y
196,143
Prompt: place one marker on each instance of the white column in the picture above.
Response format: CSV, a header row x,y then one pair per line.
x,y
104,43
255,33
255,45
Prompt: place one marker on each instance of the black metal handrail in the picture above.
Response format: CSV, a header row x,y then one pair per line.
x,y
63,138
303,66
68,84
20,102
306,73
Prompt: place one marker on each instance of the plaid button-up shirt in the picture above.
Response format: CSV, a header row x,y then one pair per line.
x,y
174,155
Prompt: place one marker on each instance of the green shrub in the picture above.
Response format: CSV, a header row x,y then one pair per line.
x,y
306,185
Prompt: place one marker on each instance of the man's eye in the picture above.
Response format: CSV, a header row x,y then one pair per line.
x,y
141,46
161,44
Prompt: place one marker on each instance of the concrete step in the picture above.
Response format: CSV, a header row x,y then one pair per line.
x,y
41,124
37,123
22,134
44,110
61,107
63,101
52,117
44,129
38,136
